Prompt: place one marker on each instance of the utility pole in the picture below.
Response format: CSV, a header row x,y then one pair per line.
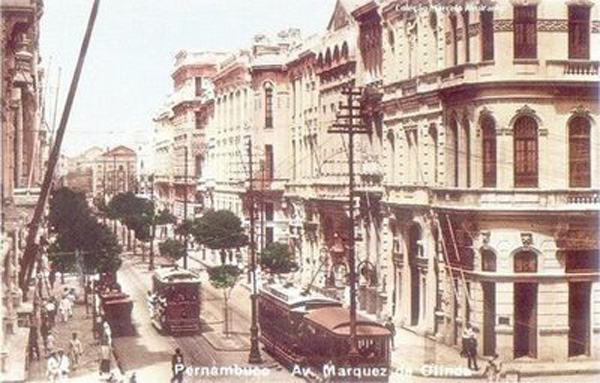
x,y
151,265
185,203
350,124
254,356
114,192
31,249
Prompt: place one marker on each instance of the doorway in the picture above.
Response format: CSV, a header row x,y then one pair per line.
x,y
525,308
489,318
414,253
579,318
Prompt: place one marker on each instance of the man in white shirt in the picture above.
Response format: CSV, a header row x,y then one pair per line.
x,y
63,366
53,368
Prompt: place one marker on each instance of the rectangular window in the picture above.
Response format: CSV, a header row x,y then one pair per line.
x,y
487,35
269,163
268,108
269,211
198,83
454,39
466,34
269,236
525,32
579,32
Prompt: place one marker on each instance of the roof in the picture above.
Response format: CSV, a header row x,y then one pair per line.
x,y
295,298
337,320
174,274
120,150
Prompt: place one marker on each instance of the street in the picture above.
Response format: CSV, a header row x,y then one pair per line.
x,y
148,353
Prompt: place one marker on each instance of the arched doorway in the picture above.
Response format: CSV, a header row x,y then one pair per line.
x,y
414,253
525,307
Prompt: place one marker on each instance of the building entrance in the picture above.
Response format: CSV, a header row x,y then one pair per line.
x,y
525,309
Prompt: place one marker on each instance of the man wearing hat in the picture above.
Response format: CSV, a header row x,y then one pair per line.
x,y
53,367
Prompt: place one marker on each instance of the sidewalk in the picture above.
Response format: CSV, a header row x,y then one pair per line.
x,y
81,323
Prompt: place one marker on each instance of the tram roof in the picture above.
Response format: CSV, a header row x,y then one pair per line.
x,y
296,298
176,275
337,321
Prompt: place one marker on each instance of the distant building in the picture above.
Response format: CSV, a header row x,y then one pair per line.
x,y
114,172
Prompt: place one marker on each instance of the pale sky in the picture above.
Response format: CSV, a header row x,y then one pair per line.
x,y
126,75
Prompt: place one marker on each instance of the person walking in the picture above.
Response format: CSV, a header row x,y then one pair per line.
x,y
52,369
63,366
469,345
50,342
493,369
51,310
105,344
32,343
75,350
63,310
177,366
389,324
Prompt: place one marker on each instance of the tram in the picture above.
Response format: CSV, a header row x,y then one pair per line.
x,y
174,302
115,305
313,331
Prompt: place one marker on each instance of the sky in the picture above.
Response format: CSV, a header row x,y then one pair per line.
x,y
126,75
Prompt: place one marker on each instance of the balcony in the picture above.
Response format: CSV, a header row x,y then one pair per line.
x,y
517,200
573,69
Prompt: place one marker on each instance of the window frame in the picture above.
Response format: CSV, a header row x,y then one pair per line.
x,y
525,149
268,107
486,21
581,145
525,31
579,50
489,152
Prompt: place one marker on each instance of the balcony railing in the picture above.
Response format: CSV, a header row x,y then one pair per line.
x,y
546,200
577,69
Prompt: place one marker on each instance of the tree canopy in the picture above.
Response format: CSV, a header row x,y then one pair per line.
x,y
172,249
165,217
219,229
277,258
224,276
76,229
134,212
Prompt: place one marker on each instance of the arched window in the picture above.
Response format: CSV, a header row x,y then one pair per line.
x,y
579,152
268,107
454,32
488,260
345,50
525,262
467,150
336,54
526,152
488,129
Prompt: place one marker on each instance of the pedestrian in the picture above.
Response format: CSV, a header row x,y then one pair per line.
x,y
52,369
75,350
177,366
469,345
63,366
105,343
51,310
50,342
70,302
63,310
133,378
389,324
33,345
493,369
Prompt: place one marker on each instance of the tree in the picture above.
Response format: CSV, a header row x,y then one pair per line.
x,y
76,230
134,212
277,258
165,217
224,277
172,249
219,230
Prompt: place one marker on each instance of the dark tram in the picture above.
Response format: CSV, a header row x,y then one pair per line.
x,y
174,302
311,330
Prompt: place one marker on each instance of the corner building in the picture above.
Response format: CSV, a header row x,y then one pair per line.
x,y
490,120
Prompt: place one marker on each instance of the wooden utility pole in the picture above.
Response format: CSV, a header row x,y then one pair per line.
x,y
31,249
254,356
185,203
350,124
153,233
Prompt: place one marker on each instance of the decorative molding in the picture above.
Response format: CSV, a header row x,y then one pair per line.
x,y
552,25
543,132
448,38
474,29
459,34
527,239
595,26
485,237
503,25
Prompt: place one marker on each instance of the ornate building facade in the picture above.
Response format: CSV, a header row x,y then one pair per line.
x,y
23,149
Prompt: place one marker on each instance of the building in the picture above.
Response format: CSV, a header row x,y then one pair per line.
x,y
78,170
179,134
477,196
114,172
491,195
22,160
